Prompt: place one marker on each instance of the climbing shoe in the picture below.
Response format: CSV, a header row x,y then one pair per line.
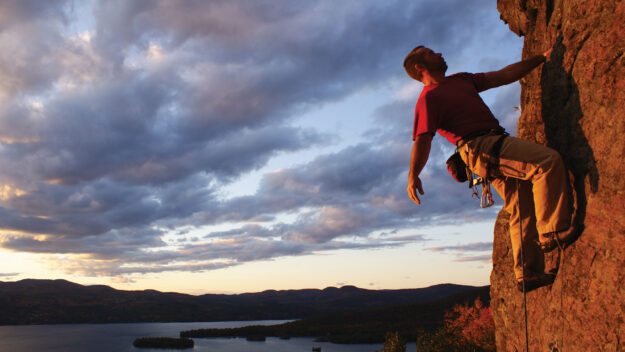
x,y
563,239
560,239
535,281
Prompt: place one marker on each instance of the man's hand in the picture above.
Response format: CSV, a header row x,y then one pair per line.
x,y
414,185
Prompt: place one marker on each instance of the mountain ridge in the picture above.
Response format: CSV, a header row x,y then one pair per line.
x,y
33,301
368,325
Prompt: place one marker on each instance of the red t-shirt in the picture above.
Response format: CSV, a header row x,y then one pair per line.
x,y
453,108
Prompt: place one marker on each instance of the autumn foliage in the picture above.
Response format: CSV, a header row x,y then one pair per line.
x,y
473,324
467,328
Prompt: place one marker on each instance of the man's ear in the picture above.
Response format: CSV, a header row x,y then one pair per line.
x,y
419,68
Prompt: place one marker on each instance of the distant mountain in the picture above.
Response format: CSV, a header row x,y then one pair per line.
x,y
361,325
63,302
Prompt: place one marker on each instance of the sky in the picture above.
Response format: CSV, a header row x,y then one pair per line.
x,y
236,146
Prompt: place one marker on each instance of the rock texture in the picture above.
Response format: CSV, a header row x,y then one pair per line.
x,y
576,105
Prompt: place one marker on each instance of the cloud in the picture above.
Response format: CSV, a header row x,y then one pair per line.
x,y
211,255
29,68
507,106
464,252
475,258
469,247
106,246
119,137
8,275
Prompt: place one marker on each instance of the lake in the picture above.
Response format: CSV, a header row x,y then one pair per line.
x,y
119,338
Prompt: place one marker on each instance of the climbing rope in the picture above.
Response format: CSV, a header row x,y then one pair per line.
x,y
560,261
518,204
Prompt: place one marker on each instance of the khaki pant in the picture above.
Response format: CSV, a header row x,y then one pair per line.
x,y
541,204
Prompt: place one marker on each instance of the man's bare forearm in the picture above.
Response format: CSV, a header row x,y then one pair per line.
x,y
418,159
420,154
516,71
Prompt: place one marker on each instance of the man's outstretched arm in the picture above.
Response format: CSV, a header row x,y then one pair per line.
x,y
418,159
516,71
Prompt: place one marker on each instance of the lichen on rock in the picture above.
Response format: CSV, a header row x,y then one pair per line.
x,y
575,104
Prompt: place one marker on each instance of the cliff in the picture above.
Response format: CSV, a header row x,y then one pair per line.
x,y
576,105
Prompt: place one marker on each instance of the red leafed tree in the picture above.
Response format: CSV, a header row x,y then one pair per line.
x,y
472,323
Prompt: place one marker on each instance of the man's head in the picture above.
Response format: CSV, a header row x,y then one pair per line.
x,y
422,59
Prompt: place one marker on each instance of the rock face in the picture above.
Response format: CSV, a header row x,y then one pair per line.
x,y
576,105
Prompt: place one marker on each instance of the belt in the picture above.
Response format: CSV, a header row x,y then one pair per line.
x,y
494,131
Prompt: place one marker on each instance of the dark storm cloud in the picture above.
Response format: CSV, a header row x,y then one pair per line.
x,y
111,140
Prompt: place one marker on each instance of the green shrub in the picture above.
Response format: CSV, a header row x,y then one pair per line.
x,y
394,343
441,340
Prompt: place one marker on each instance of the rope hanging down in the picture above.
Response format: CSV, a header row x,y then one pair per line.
x,y
518,204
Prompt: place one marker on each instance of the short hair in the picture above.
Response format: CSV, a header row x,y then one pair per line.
x,y
410,61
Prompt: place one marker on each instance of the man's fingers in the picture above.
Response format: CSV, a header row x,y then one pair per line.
x,y
419,187
414,186
412,194
416,199
547,54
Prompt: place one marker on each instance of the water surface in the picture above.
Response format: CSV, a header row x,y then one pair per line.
x,y
119,338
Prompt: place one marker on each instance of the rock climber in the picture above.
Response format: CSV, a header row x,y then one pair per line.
x,y
530,178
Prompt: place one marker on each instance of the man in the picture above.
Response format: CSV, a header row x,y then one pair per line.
x,y
531,178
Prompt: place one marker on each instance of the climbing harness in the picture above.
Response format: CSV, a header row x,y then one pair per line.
x,y
518,204
458,168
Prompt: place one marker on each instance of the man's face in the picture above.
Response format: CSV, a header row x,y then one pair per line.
x,y
432,61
